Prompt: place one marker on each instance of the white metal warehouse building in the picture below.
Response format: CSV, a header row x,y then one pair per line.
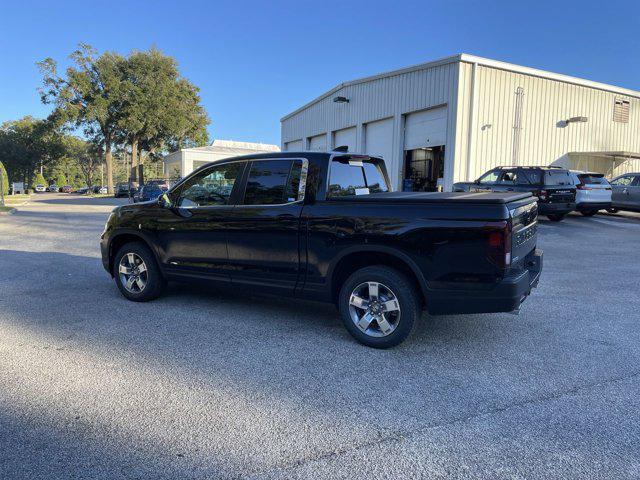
x,y
453,119
182,162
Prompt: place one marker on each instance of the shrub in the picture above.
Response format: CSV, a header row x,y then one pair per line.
x,y
5,180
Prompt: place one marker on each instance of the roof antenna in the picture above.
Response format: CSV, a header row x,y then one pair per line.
x,y
342,148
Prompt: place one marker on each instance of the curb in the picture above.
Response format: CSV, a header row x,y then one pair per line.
x,y
10,212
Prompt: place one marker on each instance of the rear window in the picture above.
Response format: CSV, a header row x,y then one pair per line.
x,y
592,179
557,177
352,176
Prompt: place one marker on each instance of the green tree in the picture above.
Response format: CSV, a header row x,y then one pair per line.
x,y
88,95
4,181
27,144
40,180
159,107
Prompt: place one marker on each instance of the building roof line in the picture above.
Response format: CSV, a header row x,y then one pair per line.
x,y
464,57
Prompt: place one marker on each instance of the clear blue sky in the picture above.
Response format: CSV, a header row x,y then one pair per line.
x,y
257,61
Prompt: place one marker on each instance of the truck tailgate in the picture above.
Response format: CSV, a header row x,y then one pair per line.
x,y
524,231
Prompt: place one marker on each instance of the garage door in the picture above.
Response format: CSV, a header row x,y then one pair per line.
x,y
318,143
346,137
379,139
295,146
425,129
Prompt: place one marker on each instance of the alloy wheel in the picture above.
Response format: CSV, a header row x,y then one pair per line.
x,y
374,309
133,273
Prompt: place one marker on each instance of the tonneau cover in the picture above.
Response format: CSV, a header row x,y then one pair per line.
x,y
439,197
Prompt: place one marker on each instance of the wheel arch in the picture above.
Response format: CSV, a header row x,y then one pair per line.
x,y
354,259
121,238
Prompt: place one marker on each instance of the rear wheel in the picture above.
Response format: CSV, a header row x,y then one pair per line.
x,y
589,213
556,217
379,306
136,273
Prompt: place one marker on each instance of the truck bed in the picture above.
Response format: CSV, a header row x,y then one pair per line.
x,y
438,197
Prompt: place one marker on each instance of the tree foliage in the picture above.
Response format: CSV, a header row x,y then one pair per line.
x,y
4,181
140,101
27,144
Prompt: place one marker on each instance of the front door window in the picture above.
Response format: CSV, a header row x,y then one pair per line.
x,y
210,187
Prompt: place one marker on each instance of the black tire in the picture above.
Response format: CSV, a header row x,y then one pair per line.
x,y
155,282
556,217
406,294
589,213
612,210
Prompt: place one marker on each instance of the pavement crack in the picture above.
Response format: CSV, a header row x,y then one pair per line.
x,y
398,437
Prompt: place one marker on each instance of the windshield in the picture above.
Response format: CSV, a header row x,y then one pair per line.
x,y
557,177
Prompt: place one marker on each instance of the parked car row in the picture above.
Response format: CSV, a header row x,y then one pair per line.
x,y
69,189
561,191
151,190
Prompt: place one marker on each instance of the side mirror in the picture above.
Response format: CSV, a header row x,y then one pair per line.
x,y
164,201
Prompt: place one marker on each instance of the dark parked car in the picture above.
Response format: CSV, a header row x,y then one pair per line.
x,y
552,186
125,189
148,193
66,189
325,226
625,193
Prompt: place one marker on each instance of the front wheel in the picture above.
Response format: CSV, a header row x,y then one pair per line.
x,y
555,217
589,213
136,273
379,306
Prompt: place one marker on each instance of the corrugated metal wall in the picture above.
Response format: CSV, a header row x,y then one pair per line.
x,y
481,117
545,137
377,99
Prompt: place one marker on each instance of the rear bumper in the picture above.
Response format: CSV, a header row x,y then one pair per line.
x,y
588,206
555,208
504,296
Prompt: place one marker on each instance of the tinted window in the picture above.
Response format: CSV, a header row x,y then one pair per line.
x,y
273,182
355,177
212,186
557,177
491,177
530,176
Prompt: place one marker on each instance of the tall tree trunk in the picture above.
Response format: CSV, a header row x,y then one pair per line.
x,y
134,159
108,160
141,168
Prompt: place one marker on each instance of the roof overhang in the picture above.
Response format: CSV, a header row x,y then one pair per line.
x,y
613,155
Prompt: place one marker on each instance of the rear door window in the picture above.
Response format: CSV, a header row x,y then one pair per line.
x,y
273,182
557,177
509,177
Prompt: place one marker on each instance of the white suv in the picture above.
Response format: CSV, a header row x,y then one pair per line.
x,y
593,192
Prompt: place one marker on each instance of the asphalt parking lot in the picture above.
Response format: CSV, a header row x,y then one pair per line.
x,y
209,385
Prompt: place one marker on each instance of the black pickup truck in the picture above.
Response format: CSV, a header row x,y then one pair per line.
x,y
325,226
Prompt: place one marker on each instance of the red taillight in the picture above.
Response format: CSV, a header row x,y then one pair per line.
x,y
583,187
542,194
499,244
